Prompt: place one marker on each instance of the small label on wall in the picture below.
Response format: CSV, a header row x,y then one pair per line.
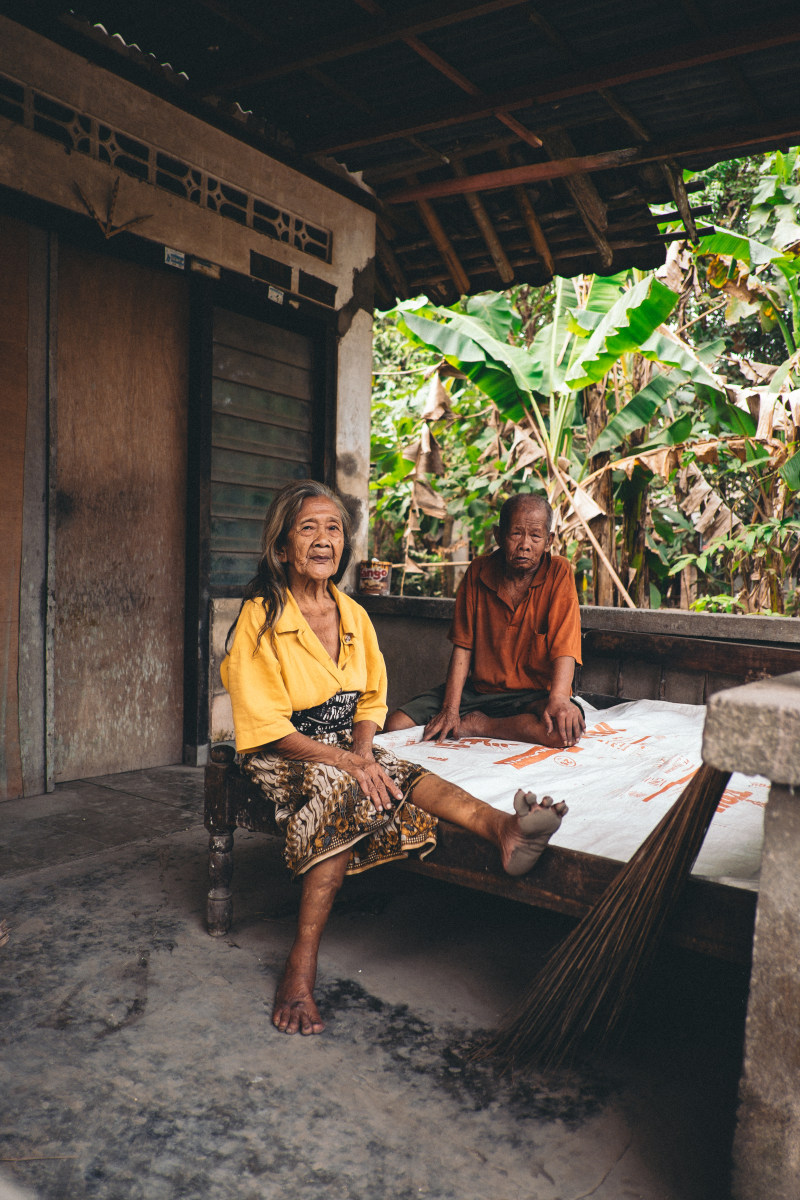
x,y
204,267
275,295
174,258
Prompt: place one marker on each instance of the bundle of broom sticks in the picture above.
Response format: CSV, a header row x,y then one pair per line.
x,y
580,995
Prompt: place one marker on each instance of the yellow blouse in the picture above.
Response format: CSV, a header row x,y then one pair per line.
x,y
292,670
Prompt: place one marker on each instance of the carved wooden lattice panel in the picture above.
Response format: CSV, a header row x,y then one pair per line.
x,y
85,134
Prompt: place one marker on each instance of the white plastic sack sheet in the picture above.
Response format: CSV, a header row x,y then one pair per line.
x,y
625,773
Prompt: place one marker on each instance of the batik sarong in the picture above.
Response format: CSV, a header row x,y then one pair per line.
x,y
322,811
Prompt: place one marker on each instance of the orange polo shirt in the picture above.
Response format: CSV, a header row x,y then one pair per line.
x,y
515,648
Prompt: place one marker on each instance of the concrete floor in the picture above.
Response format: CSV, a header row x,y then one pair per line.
x,y
138,1060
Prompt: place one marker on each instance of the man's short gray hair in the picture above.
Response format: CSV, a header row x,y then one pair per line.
x,y
509,509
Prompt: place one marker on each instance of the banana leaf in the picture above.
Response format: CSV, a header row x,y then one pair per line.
x,y
638,412
746,250
790,472
466,340
496,312
670,353
626,326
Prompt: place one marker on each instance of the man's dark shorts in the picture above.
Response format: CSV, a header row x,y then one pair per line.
x,y
494,704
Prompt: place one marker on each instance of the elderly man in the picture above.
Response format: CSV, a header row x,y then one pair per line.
x,y
516,639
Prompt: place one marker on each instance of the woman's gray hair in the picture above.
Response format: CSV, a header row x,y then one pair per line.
x,y
270,583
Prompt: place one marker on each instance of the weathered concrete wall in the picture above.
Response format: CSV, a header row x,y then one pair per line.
x,y
40,166
756,728
63,141
413,637
353,430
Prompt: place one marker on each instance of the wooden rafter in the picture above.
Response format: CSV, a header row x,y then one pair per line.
x,y
555,229
471,251
531,221
488,232
674,178
390,265
587,199
422,278
488,181
443,244
557,39
633,68
425,18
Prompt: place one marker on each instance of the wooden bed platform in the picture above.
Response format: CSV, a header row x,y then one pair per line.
x,y
625,658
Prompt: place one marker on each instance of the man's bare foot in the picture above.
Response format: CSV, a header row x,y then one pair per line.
x,y
472,724
294,1010
535,822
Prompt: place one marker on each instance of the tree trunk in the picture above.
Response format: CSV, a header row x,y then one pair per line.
x,y
603,528
633,567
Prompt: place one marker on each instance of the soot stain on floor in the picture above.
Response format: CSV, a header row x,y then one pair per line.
x,y
446,1058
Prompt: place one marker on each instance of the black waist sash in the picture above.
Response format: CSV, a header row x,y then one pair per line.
x,y
333,716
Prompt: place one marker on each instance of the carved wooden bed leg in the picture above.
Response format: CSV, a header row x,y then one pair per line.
x,y
220,870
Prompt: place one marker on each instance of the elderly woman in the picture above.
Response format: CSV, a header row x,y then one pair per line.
x,y
308,688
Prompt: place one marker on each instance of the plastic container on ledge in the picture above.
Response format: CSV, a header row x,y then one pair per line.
x,y
374,577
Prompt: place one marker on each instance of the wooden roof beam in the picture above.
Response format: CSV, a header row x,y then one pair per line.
x,y
721,141
357,39
558,40
470,254
634,67
488,232
390,265
421,280
585,195
455,76
443,244
531,222
555,231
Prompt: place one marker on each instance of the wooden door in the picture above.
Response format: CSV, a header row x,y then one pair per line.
x,y
120,516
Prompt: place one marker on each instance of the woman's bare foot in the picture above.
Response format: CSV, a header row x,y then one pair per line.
x,y
294,1010
530,831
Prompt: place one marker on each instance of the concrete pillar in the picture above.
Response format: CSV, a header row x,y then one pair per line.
x,y
756,729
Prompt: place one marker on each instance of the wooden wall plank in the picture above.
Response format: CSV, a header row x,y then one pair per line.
x,y
121,511
270,341
237,366
256,404
231,466
13,415
232,433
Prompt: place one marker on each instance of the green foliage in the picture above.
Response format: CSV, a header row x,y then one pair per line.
x,y
520,369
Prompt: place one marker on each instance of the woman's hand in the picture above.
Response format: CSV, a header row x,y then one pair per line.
x,y
359,762
370,776
444,724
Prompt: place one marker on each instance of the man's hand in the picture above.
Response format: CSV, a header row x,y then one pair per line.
x,y
444,724
563,718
